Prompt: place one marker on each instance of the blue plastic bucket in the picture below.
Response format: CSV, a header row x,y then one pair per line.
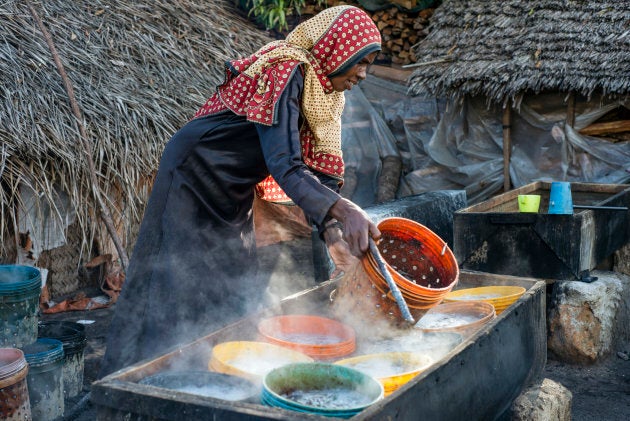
x,y
20,288
14,402
320,388
45,378
560,201
72,336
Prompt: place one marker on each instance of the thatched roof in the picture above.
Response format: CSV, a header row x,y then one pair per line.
x,y
504,49
139,69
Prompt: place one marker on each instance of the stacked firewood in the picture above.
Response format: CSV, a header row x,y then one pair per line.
x,y
401,31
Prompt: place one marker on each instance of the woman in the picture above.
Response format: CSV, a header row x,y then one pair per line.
x,y
277,114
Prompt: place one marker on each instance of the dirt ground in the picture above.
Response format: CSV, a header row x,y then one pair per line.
x,y
600,392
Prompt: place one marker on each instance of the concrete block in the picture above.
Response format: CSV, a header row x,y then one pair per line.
x,y
585,321
546,401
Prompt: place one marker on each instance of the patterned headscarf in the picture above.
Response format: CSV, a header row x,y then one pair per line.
x,y
327,45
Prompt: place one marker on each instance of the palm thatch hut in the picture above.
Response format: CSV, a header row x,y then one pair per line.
x,y
82,147
553,71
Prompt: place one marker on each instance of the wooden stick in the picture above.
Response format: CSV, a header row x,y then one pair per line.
x,y
104,211
606,128
507,146
571,110
402,304
426,63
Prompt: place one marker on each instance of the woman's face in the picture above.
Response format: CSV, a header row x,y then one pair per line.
x,y
356,73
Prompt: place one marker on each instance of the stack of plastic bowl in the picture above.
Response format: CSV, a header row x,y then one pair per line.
x,y
14,399
252,360
320,388
501,297
420,262
20,288
318,337
45,378
205,383
392,369
72,336
464,317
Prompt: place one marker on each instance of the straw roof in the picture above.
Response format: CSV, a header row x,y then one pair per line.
x,y
139,70
504,49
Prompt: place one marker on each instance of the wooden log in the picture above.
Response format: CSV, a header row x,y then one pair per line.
x,y
571,110
407,4
609,127
507,146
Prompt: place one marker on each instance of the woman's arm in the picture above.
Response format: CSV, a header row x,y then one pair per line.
x,y
282,150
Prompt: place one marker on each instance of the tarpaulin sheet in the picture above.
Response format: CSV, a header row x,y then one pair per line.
x,y
459,145
366,141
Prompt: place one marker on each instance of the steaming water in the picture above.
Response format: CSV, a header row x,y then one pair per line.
x,y
382,368
334,398
259,365
434,345
219,391
309,338
441,320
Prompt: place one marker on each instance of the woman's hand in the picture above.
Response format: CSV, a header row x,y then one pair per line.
x,y
339,252
357,226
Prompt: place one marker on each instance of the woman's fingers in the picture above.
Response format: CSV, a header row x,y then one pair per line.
x,y
341,256
357,226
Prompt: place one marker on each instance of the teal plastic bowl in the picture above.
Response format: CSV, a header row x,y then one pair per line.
x,y
320,388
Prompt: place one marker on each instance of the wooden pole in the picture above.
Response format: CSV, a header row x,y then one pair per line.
x,y
571,110
507,146
87,150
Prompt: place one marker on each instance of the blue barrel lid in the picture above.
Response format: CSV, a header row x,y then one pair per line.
x,y
19,278
43,351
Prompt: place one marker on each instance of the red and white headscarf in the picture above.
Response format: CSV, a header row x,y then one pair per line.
x,y
326,45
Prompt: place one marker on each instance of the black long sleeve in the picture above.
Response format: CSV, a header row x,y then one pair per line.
x,y
312,191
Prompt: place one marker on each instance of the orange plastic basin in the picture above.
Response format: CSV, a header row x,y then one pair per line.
x,y
422,265
463,317
318,337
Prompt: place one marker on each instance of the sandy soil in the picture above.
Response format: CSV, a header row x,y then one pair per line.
x,y
601,391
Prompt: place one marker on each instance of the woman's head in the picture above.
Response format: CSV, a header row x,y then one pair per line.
x,y
346,80
339,39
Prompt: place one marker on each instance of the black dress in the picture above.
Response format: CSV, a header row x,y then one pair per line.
x,y
193,268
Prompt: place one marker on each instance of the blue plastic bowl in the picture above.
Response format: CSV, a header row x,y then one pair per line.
x,y
18,279
320,388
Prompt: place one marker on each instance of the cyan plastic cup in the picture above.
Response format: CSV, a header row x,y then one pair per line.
x,y
528,203
560,201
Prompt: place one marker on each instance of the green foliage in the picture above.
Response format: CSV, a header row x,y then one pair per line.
x,y
273,13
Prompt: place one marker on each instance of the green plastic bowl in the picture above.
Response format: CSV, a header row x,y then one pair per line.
x,y
320,388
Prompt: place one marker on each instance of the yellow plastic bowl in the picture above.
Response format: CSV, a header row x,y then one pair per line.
x,y
501,297
252,360
391,369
